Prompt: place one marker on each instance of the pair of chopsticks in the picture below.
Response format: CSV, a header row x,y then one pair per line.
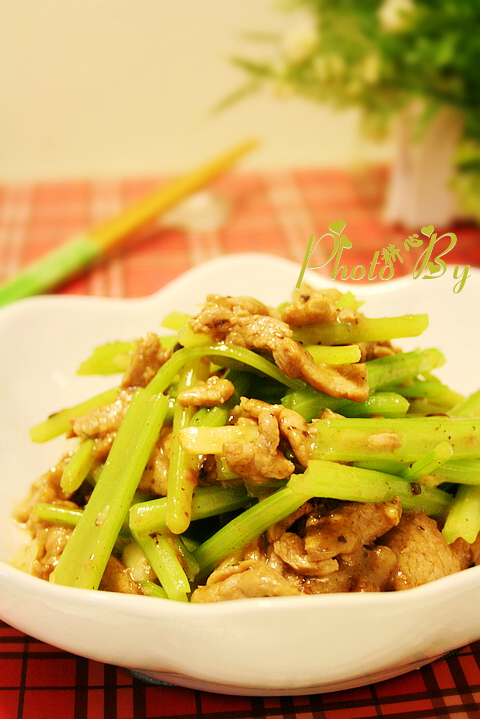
x,y
80,251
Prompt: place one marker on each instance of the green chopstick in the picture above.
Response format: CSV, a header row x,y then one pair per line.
x,y
83,249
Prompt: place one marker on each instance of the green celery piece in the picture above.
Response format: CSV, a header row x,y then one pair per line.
x,y
167,373
423,407
383,464
397,368
459,471
386,404
402,366
59,422
187,560
463,519
430,388
244,528
468,407
151,515
429,463
183,466
109,358
348,300
69,516
218,415
455,471
310,404
366,329
150,589
57,514
404,439
332,480
77,469
165,563
85,556
335,354
175,320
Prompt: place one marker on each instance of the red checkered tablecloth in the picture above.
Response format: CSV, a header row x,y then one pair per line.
x,y
270,212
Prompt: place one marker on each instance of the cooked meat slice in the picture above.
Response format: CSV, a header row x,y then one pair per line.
x,y
349,315
292,426
219,314
50,542
468,554
147,358
116,578
368,569
260,460
101,421
311,306
422,553
291,548
265,332
348,527
348,381
102,447
374,350
276,530
207,394
296,431
373,568
45,489
241,305
250,578
260,332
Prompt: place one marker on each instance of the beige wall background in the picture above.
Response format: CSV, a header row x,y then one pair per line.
x,y
98,88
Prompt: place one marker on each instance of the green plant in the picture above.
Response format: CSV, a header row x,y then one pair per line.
x,y
380,56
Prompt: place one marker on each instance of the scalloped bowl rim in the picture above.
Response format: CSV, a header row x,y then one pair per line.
x,y
56,614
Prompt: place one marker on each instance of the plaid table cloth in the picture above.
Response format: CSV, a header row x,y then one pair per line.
x,y
272,212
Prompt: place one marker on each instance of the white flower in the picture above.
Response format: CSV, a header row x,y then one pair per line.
x,y
300,43
394,15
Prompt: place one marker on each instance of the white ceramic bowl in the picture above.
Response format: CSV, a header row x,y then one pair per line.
x,y
280,646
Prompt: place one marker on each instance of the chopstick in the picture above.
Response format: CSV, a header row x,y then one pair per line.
x,y
82,249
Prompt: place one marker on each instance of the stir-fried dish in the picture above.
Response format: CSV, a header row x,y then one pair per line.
x,y
258,451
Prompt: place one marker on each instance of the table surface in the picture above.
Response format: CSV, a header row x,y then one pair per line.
x,y
272,212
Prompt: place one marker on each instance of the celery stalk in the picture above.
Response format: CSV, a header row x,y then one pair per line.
x,y
150,589
85,556
69,516
246,527
78,467
183,466
165,563
405,438
109,358
339,481
428,463
464,517
366,329
402,366
59,422
468,407
387,371
151,515
460,471
56,514
167,373
335,354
